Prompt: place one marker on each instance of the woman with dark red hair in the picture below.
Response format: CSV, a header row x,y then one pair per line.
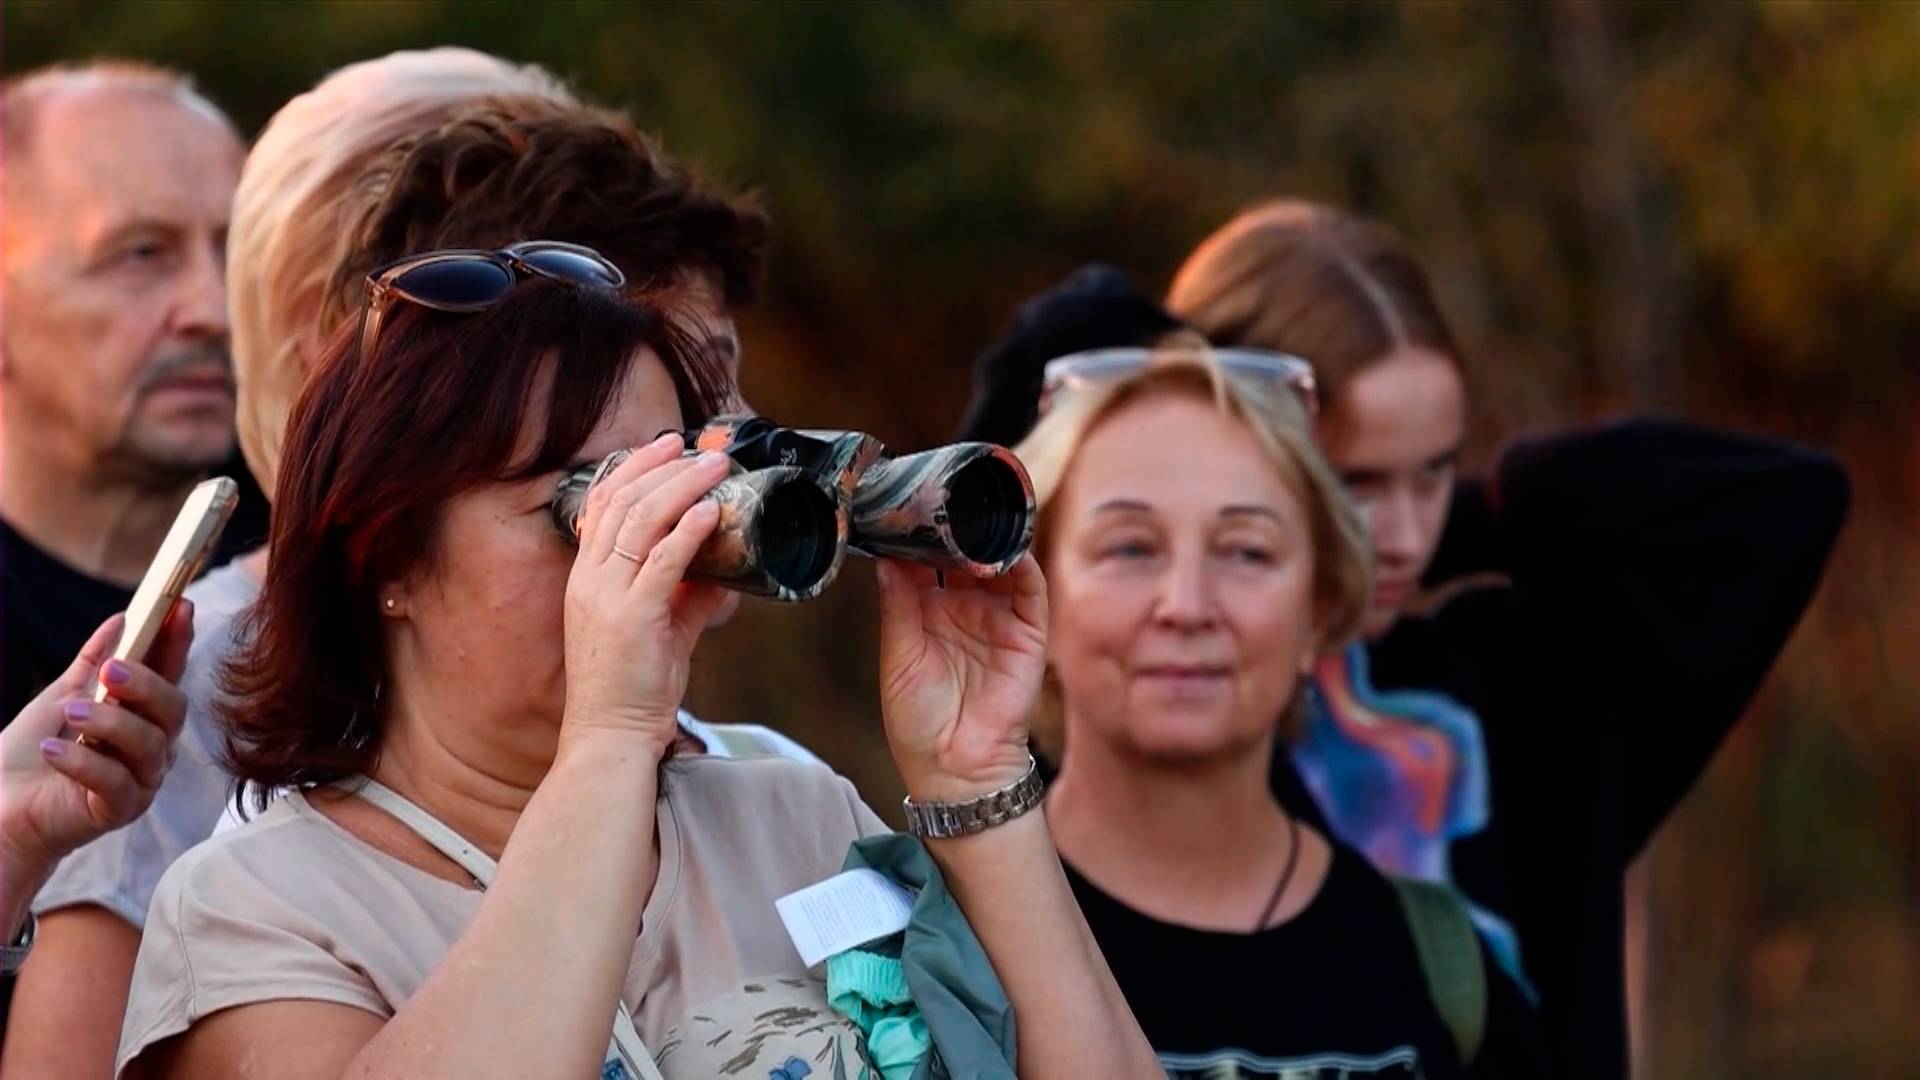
x,y
482,866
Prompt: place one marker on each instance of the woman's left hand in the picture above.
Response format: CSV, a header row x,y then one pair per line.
x,y
960,671
60,793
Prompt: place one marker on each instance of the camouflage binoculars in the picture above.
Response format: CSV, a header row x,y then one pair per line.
x,y
797,500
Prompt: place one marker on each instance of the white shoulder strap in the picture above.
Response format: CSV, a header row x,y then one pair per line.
x,y
633,1053
431,829
626,1038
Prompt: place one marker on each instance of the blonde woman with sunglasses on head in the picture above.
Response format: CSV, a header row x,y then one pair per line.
x,y
1200,555
1554,648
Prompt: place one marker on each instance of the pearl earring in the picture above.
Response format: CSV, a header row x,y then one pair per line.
x,y
390,603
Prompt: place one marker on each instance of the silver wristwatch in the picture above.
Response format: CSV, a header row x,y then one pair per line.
x,y
14,954
941,821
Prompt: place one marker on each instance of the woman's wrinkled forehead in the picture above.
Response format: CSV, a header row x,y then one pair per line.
x,y
1177,450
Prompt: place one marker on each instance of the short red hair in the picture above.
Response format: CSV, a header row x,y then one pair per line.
x,y
376,447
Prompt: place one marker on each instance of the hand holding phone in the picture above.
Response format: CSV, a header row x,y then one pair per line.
x,y
180,559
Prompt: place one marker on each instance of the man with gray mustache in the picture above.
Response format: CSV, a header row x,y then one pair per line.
x,y
206,365
116,391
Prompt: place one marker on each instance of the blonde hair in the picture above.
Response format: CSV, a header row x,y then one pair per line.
x,y
299,191
1343,561
1314,281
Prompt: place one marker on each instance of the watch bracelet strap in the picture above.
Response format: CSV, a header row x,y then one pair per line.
x,y
14,953
942,821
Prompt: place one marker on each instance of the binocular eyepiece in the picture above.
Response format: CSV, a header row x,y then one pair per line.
x,y
797,500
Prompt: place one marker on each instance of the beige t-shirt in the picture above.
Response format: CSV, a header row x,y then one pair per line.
x,y
292,906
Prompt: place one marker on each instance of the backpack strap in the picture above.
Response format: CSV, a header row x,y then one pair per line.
x,y
1449,951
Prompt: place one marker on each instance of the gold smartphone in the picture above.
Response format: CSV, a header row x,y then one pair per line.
x,y
180,558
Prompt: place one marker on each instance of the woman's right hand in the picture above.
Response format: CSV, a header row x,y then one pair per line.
x,y
631,622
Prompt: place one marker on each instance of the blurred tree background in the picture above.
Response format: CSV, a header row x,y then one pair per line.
x,y
1711,209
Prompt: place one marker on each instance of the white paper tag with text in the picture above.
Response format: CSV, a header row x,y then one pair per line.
x,y
844,911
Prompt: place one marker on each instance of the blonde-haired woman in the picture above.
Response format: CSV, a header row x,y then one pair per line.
x,y
1200,554
1521,741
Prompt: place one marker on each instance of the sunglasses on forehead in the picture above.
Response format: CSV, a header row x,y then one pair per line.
x,y
464,280
1098,367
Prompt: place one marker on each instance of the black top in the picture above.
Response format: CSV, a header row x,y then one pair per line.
x,y
1655,571
49,609
1336,991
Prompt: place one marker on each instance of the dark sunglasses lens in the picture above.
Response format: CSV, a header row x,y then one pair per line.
x,y
455,283
572,266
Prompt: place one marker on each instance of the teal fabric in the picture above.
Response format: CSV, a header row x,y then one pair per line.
x,y
870,989
960,1000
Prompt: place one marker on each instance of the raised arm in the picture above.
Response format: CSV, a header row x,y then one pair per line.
x,y
57,795
960,669
1670,562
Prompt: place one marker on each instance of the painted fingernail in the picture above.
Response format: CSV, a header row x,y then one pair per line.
x,y
78,711
117,673
54,747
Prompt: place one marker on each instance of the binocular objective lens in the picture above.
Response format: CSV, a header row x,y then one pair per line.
x,y
799,534
986,510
